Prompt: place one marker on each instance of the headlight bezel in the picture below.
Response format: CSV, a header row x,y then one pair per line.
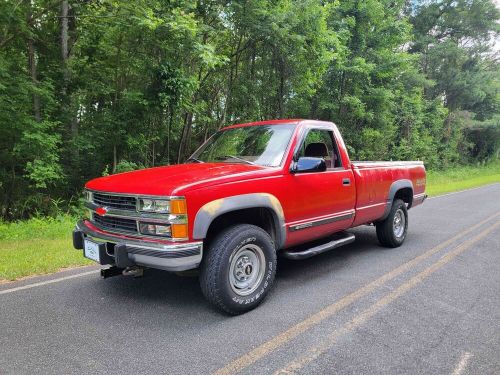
x,y
171,205
153,205
152,229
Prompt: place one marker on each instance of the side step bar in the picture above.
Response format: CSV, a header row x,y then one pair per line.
x,y
341,239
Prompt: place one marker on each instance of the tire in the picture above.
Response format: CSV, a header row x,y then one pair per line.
x,y
391,232
238,269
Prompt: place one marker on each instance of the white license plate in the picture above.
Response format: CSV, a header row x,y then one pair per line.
x,y
91,250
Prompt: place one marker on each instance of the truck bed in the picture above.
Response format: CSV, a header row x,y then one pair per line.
x,y
374,180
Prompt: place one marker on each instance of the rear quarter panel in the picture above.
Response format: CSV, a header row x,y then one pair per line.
x,y
373,184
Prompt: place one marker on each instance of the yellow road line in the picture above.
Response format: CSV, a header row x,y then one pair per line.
x,y
462,364
306,324
361,318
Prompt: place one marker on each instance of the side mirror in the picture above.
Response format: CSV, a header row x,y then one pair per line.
x,y
308,164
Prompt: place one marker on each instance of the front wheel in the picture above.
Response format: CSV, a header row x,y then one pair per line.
x,y
392,231
238,269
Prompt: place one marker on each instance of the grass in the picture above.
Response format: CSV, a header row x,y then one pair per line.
x,y
37,246
40,246
461,178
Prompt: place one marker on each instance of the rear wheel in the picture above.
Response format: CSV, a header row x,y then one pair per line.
x,y
238,268
391,232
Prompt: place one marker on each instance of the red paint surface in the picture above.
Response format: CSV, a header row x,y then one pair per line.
x,y
304,197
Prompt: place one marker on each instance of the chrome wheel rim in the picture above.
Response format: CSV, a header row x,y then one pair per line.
x,y
399,223
246,270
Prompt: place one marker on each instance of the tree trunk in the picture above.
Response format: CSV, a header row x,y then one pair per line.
x,y
281,92
32,67
33,73
314,107
188,121
73,123
115,160
186,133
153,157
341,93
64,34
186,130
169,130
232,76
166,144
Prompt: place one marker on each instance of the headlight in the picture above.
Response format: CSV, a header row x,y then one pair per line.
x,y
177,230
174,231
88,195
175,205
155,229
161,206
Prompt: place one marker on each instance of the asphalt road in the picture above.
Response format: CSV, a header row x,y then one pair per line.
x,y
429,307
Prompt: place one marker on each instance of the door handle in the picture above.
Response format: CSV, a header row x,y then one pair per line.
x,y
346,181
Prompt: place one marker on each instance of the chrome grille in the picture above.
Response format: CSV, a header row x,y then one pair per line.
x,y
115,224
115,201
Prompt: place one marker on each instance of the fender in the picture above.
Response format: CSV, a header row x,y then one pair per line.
x,y
211,210
395,186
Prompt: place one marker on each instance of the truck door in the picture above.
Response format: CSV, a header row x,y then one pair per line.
x,y
323,201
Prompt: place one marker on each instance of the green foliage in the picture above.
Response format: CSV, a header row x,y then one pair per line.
x,y
127,166
42,144
484,138
37,246
144,82
37,228
464,177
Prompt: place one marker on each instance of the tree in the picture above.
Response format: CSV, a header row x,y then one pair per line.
x,y
454,41
95,87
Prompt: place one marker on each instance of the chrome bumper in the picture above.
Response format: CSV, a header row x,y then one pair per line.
x,y
169,257
419,199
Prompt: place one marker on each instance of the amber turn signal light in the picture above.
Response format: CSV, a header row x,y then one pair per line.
x,y
178,206
179,231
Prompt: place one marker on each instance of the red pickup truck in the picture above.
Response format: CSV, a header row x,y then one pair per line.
x,y
250,193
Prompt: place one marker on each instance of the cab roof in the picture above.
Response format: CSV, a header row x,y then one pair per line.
x,y
272,122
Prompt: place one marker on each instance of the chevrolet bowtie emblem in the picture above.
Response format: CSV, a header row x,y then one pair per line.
x,y
101,211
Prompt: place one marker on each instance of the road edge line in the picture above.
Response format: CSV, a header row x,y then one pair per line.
x,y
46,282
463,191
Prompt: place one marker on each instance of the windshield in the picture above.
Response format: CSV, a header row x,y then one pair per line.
x,y
261,144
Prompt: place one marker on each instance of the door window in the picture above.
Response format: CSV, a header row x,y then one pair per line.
x,y
320,143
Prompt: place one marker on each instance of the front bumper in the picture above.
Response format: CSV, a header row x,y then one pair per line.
x,y
125,251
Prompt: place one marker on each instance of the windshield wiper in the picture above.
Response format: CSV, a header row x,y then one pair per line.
x,y
194,159
234,157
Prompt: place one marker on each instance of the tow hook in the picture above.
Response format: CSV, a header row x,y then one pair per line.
x,y
134,271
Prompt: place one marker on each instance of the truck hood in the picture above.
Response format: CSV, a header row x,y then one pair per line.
x,y
176,179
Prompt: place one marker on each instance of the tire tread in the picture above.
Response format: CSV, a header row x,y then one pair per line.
x,y
385,234
211,265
